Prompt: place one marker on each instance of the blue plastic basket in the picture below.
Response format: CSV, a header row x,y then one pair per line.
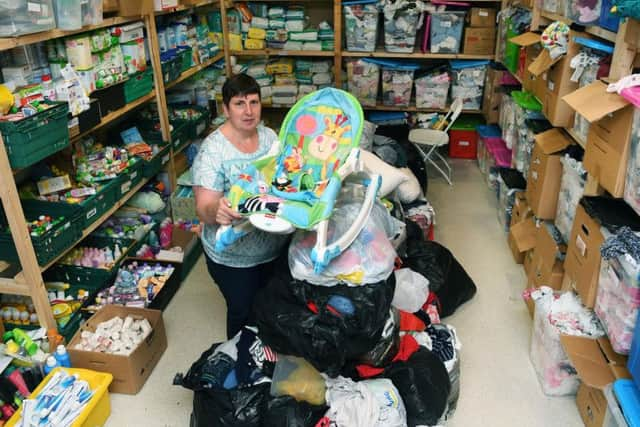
x,y
629,399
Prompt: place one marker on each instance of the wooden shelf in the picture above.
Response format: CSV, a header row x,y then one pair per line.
x,y
414,109
11,42
182,7
195,70
591,29
116,114
99,221
282,52
576,137
414,55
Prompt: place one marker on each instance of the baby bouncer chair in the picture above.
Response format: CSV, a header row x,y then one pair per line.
x,y
296,184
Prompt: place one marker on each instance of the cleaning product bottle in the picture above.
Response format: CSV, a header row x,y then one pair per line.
x,y
50,365
62,357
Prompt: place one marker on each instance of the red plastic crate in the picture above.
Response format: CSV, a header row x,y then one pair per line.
x,y
463,144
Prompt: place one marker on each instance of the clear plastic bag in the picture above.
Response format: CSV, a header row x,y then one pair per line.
x,y
412,290
295,377
369,259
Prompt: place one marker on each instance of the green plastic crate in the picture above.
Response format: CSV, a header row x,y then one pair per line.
x,y
67,331
138,85
129,179
34,138
48,246
152,167
84,213
195,128
90,279
179,134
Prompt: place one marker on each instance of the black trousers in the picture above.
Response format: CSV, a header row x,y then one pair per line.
x,y
239,287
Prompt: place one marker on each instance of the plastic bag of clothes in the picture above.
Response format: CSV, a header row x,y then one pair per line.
x,y
369,259
285,411
325,325
295,377
215,405
447,278
370,403
423,383
412,290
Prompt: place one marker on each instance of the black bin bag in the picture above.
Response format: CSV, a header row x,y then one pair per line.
x,y
447,278
239,407
296,318
285,411
423,384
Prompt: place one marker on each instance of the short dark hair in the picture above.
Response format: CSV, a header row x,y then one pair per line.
x,y
239,85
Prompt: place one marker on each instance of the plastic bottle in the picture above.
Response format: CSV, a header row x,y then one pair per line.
x,y
48,88
62,357
50,365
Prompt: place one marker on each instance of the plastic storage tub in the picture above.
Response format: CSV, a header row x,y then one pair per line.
x,y
632,183
397,81
446,31
400,29
613,417
97,410
360,25
509,181
68,14
363,76
468,82
628,397
18,17
583,12
634,357
432,90
463,137
618,300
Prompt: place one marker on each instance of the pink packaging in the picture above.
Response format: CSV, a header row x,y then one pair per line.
x,y
499,151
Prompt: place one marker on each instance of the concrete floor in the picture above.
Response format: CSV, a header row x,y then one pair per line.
x,y
498,384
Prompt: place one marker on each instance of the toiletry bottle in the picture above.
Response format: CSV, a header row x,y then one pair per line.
x,y
50,365
62,357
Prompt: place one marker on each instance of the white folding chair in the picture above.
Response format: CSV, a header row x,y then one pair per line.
x,y
427,141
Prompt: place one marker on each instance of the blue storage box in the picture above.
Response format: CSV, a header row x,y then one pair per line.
x,y
608,20
628,397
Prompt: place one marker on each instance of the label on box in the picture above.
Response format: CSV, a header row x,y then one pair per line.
x,y
201,127
581,245
34,7
92,212
445,24
534,175
483,13
134,175
53,185
551,85
124,188
74,122
176,143
165,159
464,143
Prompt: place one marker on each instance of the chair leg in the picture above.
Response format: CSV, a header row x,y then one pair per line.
x,y
428,157
448,177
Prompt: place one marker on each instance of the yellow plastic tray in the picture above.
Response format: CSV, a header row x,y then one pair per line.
x,y
98,409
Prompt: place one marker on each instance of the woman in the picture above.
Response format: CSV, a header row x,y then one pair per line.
x,y
244,267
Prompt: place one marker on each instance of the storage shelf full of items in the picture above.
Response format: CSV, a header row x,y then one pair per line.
x,y
25,277
413,55
591,29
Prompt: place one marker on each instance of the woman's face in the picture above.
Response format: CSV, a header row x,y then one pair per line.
x,y
243,112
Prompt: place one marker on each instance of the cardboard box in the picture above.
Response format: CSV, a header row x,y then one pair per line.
x,y
556,82
545,172
527,264
129,372
598,366
582,264
607,151
479,41
546,269
482,17
521,212
522,239
530,48
492,95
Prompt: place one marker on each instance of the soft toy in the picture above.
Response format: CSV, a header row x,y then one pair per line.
x,y
626,8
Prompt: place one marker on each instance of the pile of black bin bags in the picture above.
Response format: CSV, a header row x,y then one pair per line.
x,y
296,318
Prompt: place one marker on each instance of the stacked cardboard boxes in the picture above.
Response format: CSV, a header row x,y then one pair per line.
x,y
480,35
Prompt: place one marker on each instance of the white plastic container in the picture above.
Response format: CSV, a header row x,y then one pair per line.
x,y
363,77
159,5
446,31
91,12
396,85
432,90
19,17
360,26
68,14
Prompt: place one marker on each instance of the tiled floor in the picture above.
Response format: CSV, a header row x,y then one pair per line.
x,y
498,384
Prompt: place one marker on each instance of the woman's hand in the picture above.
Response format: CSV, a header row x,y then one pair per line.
x,y
225,214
